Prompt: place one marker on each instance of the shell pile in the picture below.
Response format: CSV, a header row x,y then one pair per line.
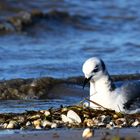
x,y
70,117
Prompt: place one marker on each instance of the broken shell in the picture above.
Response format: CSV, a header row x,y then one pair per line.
x,y
37,116
54,125
88,133
101,124
74,116
64,109
28,123
46,123
89,122
37,124
135,123
66,119
120,122
37,127
5,125
12,124
47,113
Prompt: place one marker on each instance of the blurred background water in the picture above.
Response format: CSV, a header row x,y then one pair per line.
x,y
108,29
58,48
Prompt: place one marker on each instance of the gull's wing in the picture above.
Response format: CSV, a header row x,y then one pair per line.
x,y
131,92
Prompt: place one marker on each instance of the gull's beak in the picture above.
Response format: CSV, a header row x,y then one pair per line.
x,y
86,81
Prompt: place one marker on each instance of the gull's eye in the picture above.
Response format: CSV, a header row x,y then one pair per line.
x,y
96,69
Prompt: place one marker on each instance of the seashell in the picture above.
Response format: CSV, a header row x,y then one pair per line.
x,y
135,123
74,116
12,124
54,125
87,133
66,119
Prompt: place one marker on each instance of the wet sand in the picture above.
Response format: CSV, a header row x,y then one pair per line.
x,y
69,134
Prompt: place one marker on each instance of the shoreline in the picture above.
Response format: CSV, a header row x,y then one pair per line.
x,y
99,134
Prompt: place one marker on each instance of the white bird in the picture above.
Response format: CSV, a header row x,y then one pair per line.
x,y
103,91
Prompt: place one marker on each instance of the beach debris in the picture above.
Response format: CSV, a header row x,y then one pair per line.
x,y
88,133
75,116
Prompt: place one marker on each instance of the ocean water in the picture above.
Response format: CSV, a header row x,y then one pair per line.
x,y
58,47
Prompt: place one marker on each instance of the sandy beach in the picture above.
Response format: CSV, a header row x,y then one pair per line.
x,y
70,134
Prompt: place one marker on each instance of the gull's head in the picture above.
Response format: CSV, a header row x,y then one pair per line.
x,y
93,69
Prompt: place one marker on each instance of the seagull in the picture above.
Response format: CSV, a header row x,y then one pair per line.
x,y
104,92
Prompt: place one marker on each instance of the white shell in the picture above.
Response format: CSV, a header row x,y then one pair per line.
x,y
135,123
87,133
54,125
74,116
66,119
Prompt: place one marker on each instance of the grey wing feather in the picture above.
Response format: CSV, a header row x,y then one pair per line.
x,y
132,94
